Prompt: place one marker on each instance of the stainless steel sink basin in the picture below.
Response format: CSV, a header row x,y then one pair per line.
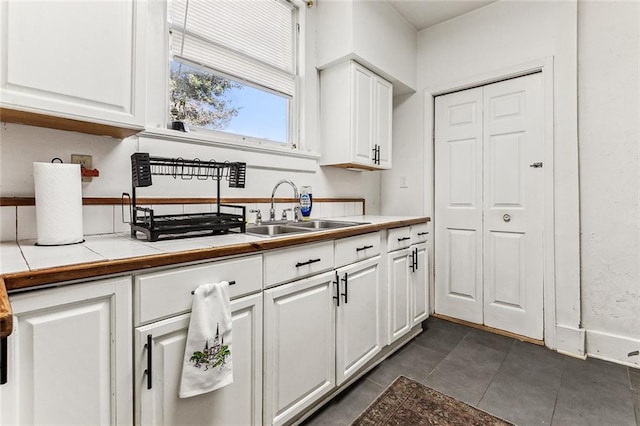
x,y
277,228
325,224
274,230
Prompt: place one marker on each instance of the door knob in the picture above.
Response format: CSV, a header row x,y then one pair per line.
x,y
506,218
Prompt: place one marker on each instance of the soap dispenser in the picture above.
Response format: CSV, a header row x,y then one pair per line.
x,y
306,202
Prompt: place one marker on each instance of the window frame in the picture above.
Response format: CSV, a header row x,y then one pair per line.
x,y
294,103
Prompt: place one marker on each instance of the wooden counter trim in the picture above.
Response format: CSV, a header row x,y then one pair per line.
x,y
100,201
28,279
357,166
6,315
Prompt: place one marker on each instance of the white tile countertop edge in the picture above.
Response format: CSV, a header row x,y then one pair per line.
x,y
24,255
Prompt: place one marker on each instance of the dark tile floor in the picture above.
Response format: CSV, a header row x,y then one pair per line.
x,y
520,382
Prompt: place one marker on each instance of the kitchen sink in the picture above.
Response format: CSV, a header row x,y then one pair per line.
x,y
281,227
271,230
325,224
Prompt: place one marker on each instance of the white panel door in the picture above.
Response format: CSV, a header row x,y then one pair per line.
x,y
458,201
489,205
239,403
513,206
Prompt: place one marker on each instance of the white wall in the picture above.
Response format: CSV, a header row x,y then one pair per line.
x,y
499,37
372,33
609,129
21,145
606,300
383,38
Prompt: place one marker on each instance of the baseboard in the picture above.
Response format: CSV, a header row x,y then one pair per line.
x,y
610,347
490,329
570,341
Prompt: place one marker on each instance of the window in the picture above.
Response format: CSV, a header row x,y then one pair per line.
x,y
233,67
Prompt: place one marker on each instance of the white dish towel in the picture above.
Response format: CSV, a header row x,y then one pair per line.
x,y
207,363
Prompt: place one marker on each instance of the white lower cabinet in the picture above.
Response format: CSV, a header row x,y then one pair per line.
x,y
358,317
420,284
408,284
299,336
319,332
69,356
400,290
237,404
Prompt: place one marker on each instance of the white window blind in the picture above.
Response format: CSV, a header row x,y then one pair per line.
x,y
253,40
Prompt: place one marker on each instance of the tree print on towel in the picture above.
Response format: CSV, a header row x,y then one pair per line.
x,y
214,356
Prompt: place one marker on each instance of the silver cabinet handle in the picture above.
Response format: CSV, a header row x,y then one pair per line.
x,y
506,218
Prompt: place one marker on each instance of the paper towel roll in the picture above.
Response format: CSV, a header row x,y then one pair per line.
x,y
58,203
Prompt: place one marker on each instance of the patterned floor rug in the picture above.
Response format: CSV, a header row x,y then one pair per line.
x,y
407,402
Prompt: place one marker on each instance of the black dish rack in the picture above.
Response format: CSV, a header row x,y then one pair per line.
x,y
143,219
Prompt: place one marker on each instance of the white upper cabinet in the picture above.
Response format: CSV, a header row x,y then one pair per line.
x,y
355,109
68,62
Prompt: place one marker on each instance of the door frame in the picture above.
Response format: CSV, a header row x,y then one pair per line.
x,y
544,66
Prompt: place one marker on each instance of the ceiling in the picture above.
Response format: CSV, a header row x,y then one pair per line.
x,y
423,14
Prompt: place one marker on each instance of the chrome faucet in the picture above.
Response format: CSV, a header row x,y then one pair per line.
x,y
296,210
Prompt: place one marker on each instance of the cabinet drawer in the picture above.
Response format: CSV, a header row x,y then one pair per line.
x,y
398,238
296,262
419,233
353,249
166,293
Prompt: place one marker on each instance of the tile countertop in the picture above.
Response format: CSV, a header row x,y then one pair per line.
x,y
25,265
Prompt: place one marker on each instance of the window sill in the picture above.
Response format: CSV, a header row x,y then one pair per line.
x,y
221,141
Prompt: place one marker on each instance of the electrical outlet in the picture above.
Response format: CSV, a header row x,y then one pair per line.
x,y
85,161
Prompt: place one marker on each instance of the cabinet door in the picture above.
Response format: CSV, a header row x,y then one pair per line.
x,y
362,98
299,340
383,107
359,317
79,59
400,292
420,285
69,356
237,404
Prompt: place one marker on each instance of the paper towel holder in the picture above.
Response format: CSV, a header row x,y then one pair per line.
x,y
54,196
